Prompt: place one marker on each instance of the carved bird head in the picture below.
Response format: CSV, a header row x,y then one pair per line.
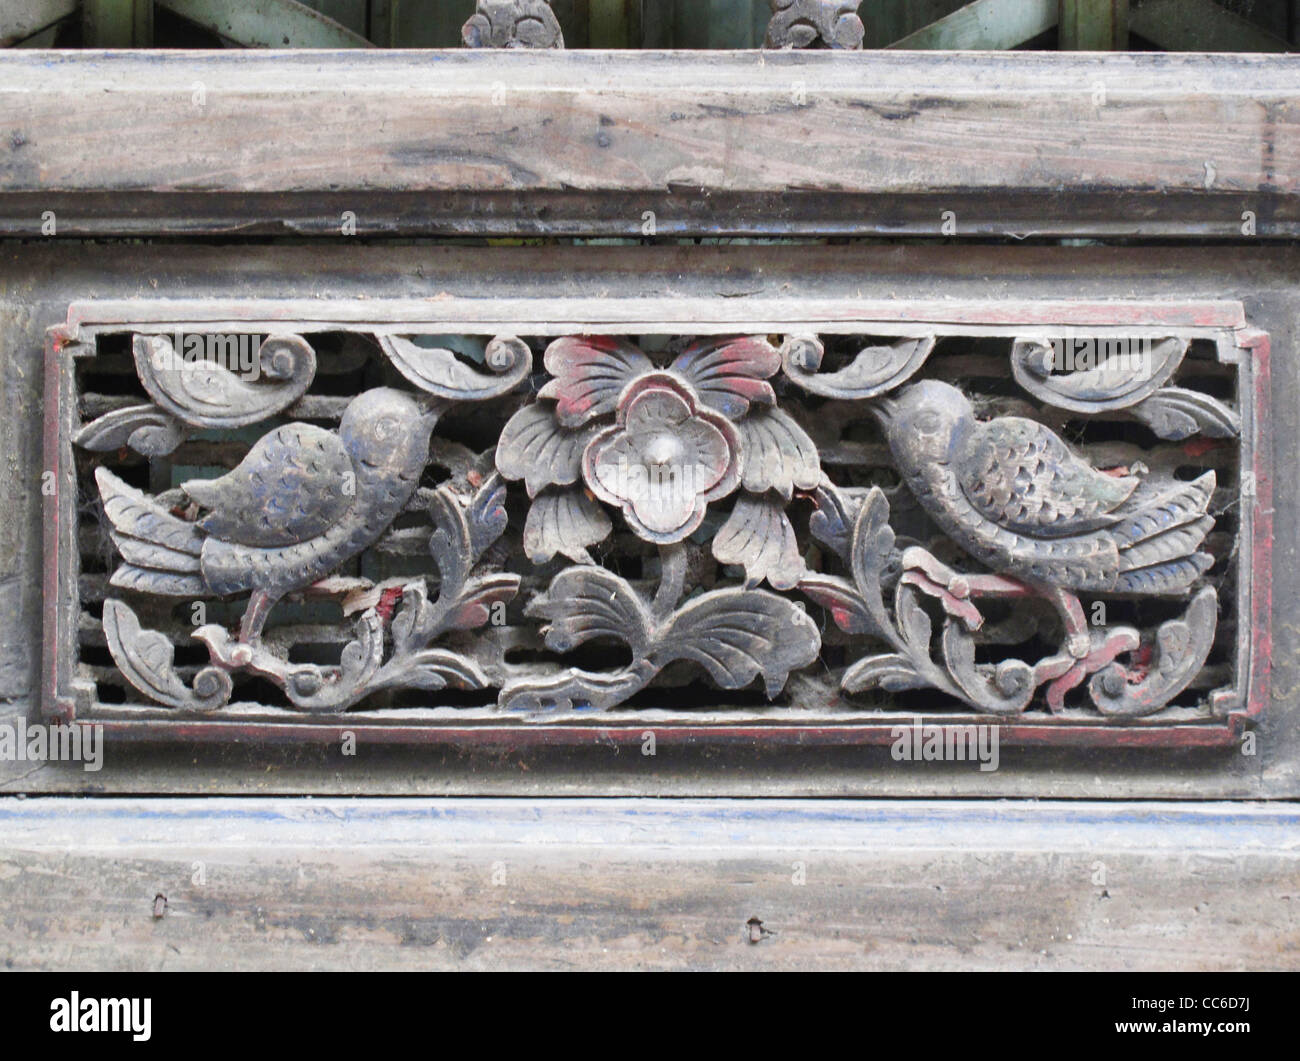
x,y
925,423
386,429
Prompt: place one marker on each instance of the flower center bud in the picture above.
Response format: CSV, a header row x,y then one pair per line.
x,y
663,450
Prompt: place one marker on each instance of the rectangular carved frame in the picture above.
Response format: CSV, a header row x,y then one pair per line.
x,y
1223,323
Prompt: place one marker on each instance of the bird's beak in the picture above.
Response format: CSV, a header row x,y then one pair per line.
x,y
431,408
883,408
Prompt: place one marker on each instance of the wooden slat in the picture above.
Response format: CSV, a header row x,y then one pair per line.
x,y
649,884
1094,25
20,19
587,142
267,23
1200,26
989,25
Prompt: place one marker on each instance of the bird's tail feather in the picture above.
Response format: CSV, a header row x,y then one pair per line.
x,y
1181,504
161,551
1158,543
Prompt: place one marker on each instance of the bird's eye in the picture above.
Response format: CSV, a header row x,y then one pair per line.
x,y
385,428
927,422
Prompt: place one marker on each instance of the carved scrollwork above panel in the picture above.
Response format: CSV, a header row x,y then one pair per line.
x,y
818,526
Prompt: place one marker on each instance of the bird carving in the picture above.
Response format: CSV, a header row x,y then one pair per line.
x,y
302,501
1014,496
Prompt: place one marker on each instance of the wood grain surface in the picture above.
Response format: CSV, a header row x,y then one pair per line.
x,y
569,142
646,884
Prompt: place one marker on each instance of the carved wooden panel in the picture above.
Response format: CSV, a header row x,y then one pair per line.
x,y
280,520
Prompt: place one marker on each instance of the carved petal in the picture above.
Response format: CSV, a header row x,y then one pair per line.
x,y
1120,380
565,522
440,372
738,634
206,394
731,373
590,372
759,537
777,454
1176,414
534,448
144,428
512,24
145,658
815,23
875,369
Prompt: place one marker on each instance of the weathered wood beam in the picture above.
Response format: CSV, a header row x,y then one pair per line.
x,y
549,143
1093,25
985,25
20,19
1200,26
655,884
267,23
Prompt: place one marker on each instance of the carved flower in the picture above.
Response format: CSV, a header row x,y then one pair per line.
x,y
661,444
664,459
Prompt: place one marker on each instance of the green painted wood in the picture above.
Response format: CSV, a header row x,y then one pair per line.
x,y
609,24
266,23
985,25
1093,25
22,19
108,23
1200,26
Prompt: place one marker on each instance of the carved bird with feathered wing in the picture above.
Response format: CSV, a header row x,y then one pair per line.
x,y
302,501
1020,501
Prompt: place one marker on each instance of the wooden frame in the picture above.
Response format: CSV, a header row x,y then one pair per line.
x,y
651,144
67,697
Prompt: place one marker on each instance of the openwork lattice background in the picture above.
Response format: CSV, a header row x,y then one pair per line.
x,y
828,527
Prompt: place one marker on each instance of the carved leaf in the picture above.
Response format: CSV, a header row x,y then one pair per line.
x,y
147,429
146,660
204,393
758,536
832,523
875,369
431,669
1180,650
442,373
891,671
565,522
534,448
583,603
731,373
843,601
738,634
873,544
1004,689
1108,380
590,372
473,606
573,690
777,454
1175,414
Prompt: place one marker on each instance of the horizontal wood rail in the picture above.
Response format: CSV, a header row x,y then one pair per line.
x,y
649,144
